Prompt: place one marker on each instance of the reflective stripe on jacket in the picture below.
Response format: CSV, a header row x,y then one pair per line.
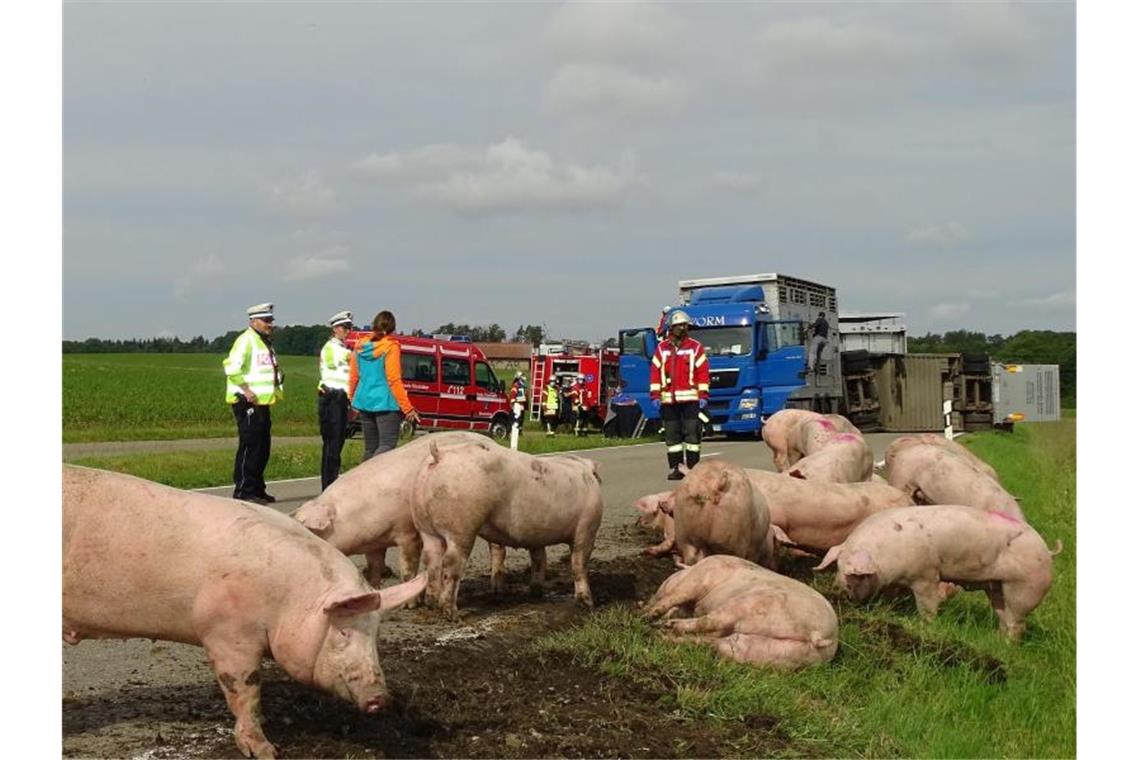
x,y
334,366
252,362
679,374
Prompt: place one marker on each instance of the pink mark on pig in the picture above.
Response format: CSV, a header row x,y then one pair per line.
x,y
845,437
1007,517
826,424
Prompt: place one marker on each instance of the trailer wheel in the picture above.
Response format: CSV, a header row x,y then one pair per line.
x,y
500,428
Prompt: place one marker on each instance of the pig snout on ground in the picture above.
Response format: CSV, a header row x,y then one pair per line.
x,y
929,548
508,498
142,560
717,511
656,511
368,509
932,474
749,614
843,458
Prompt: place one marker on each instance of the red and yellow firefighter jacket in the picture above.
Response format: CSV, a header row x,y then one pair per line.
x,y
679,374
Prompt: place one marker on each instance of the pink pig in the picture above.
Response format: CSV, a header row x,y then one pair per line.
x,y
656,511
939,441
933,475
780,433
749,614
508,498
369,508
142,560
927,547
843,458
717,511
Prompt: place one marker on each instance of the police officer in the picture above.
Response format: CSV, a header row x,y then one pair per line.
x,y
550,406
332,398
679,387
253,384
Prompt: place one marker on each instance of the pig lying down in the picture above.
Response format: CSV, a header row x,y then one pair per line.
x,y
923,547
843,458
141,560
505,497
369,508
717,511
938,441
747,613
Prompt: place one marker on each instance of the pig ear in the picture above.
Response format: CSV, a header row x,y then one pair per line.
x,y
831,556
596,468
665,504
396,596
860,563
318,518
780,535
646,505
353,604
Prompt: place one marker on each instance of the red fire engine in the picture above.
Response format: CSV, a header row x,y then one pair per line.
x,y
450,384
564,362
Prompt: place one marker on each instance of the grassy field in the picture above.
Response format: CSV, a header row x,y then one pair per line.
x,y
140,397
898,686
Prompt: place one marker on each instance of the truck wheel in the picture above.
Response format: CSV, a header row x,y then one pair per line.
x,y
499,429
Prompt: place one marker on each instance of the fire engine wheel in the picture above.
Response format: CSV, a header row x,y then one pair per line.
x,y
499,429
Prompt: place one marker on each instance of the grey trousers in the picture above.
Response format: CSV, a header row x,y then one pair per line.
x,y
381,429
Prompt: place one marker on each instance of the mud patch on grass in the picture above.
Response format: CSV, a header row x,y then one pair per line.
x,y
950,654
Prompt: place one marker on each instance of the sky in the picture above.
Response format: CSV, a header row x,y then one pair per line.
x,y
563,164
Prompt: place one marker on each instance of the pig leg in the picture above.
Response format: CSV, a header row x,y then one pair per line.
x,y
538,571
376,567
718,623
579,555
498,575
236,666
927,596
454,561
410,551
668,541
433,558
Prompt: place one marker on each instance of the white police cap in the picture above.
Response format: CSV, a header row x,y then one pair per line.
x,y
341,318
261,311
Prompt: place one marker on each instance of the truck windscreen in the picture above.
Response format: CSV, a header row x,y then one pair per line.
x,y
724,341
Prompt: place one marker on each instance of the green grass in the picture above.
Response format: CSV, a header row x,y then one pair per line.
x,y
899,686
140,397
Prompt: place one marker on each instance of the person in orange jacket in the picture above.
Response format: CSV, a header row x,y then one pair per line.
x,y
376,388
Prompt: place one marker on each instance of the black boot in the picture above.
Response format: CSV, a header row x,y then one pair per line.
x,y
691,458
674,462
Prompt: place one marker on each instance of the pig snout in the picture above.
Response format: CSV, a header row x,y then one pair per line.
x,y
860,586
376,702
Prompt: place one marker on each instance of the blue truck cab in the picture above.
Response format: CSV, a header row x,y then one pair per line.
x,y
753,335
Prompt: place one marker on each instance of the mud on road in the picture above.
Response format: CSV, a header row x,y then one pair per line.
x,y
474,689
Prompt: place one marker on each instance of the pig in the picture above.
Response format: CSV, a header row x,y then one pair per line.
x,y
928,547
507,498
779,432
844,458
749,614
941,441
717,511
933,475
656,511
816,516
813,434
142,560
368,509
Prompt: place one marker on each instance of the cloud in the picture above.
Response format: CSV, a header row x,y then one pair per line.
x,y
943,233
738,182
306,196
506,177
949,310
203,270
626,34
598,87
321,265
1065,299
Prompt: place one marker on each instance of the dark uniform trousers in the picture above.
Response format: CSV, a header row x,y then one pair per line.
x,y
682,430
332,411
253,424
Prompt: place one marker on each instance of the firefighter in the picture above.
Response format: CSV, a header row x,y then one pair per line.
x,y
679,387
517,398
332,396
550,406
581,396
253,384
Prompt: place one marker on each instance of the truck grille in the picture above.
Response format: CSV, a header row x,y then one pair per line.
x,y
723,378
